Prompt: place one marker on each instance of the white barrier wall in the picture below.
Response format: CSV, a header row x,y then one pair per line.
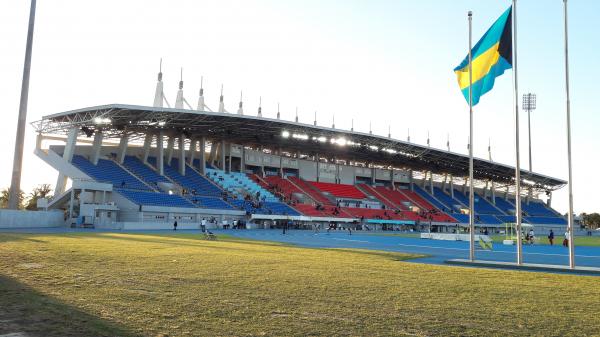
x,y
30,219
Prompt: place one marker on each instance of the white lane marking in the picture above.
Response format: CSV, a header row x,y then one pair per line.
x,y
350,240
498,251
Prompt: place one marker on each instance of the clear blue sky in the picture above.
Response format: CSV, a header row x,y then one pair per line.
x,y
389,62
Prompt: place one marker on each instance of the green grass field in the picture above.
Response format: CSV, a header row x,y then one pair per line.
x,y
181,285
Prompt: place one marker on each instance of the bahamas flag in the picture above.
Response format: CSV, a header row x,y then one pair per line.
x,y
491,56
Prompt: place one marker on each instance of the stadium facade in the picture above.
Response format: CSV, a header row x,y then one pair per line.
x,y
139,167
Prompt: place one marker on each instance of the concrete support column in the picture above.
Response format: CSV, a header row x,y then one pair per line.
x,y
61,181
122,148
424,181
97,147
280,164
222,156
147,145
444,182
431,182
192,152
160,156
214,146
506,194
243,160
202,156
372,175
181,154
318,165
451,186
170,149
549,201
465,186
38,141
493,192
411,180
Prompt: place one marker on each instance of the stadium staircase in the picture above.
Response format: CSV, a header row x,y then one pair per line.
x,y
311,191
339,190
367,189
144,172
107,171
431,199
241,186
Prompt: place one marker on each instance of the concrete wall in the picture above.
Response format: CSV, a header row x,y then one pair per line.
x,y
30,219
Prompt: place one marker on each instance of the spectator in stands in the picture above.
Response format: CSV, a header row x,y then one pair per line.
x,y
551,238
122,183
175,225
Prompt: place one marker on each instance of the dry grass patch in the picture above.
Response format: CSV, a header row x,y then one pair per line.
x,y
181,285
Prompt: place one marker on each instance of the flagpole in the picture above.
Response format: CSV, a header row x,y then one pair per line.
x,y
570,217
518,160
471,199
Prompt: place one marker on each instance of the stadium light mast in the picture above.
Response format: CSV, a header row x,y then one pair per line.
x,y
15,184
529,104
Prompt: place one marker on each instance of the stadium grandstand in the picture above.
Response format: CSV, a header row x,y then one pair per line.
x,y
134,167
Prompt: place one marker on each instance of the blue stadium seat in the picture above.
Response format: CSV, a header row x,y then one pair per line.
x,y
240,185
452,204
505,206
143,171
155,199
108,171
537,208
191,181
482,206
431,199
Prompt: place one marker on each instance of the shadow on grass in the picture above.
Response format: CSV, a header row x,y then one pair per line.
x,y
9,237
198,241
23,309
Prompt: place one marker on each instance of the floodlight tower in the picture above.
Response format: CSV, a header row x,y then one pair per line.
x,y
529,104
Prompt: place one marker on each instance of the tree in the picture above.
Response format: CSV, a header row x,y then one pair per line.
x,y
5,195
42,191
592,221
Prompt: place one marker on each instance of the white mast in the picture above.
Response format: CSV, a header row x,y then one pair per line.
x,y
179,99
259,114
278,113
241,108
201,105
221,103
159,94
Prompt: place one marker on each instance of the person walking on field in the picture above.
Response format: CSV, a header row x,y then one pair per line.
x,y
551,238
175,225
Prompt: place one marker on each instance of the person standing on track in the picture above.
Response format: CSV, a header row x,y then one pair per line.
x,y
566,240
175,225
551,238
